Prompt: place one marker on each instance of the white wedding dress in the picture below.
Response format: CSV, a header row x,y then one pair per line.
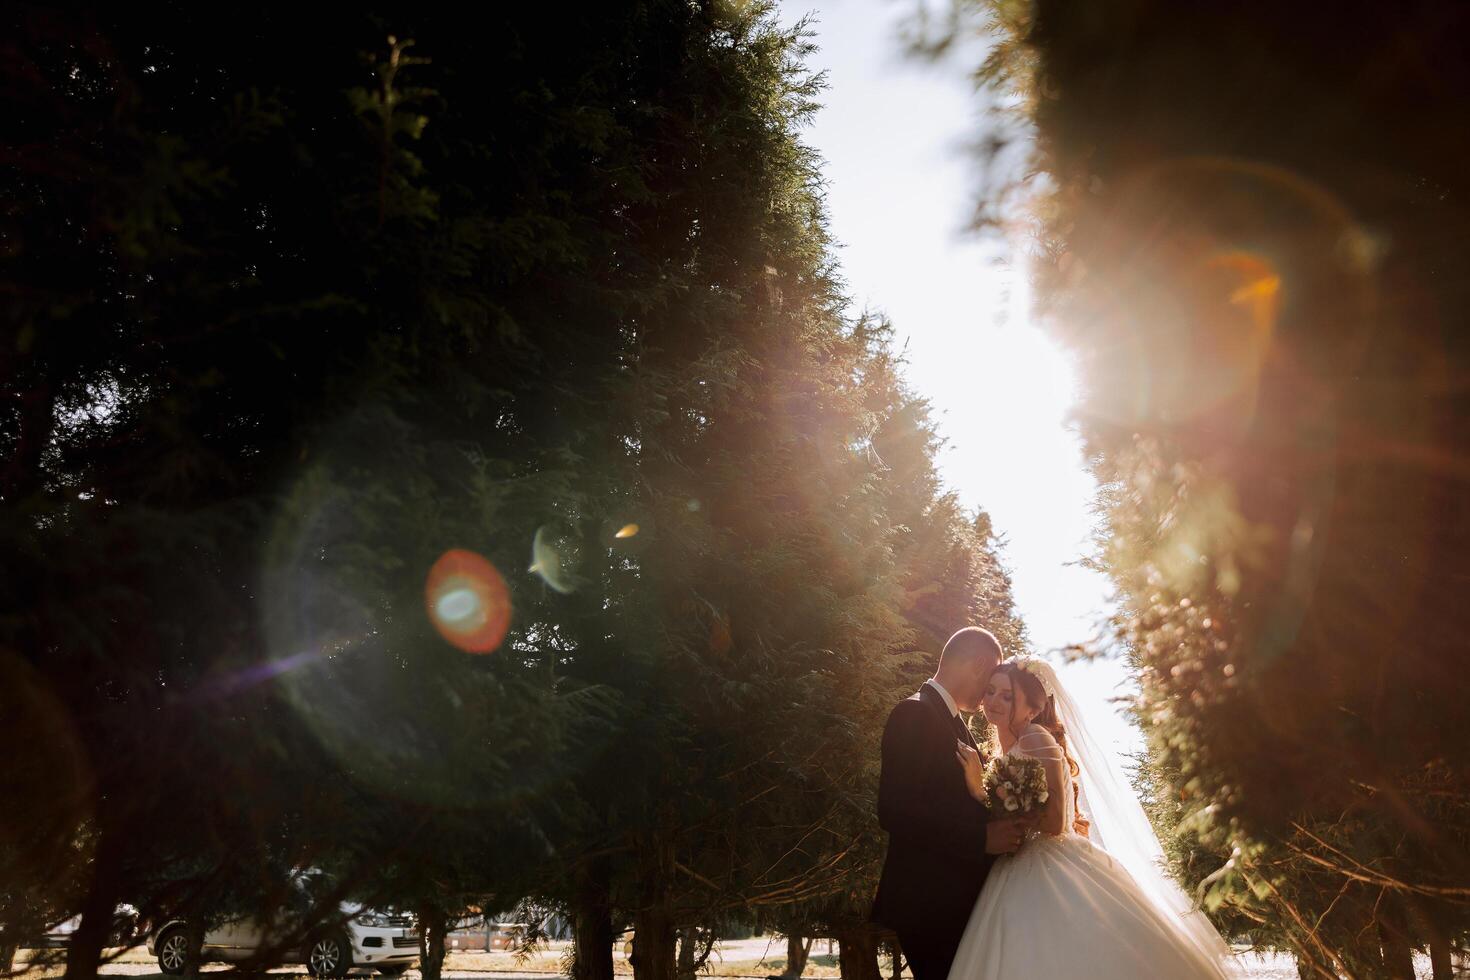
x,y
1062,906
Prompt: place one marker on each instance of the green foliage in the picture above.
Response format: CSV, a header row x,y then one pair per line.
x,y
1248,236
304,301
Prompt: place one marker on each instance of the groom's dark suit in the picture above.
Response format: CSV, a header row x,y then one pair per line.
x,y
936,834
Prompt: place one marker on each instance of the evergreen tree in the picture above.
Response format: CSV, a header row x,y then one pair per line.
x,y
551,287
1250,239
216,263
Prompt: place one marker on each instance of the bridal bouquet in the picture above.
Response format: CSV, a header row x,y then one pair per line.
x,y
1016,784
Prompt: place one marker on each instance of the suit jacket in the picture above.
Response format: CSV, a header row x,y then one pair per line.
x,y
936,861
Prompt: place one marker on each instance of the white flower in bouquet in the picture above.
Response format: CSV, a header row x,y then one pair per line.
x,y
1016,784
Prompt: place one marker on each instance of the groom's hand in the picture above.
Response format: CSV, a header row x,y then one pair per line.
x,y
1004,836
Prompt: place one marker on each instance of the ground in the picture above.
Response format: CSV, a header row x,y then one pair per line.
x,y
746,958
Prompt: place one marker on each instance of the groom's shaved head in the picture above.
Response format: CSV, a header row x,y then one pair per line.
x,y
969,645
965,665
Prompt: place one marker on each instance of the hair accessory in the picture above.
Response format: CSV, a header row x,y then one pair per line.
x,y
1044,676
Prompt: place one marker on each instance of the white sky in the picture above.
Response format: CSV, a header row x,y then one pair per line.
x,y
900,189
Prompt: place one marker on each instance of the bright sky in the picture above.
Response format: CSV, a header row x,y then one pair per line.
x,y
900,189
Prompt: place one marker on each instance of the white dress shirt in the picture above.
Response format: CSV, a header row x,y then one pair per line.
x,y
948,700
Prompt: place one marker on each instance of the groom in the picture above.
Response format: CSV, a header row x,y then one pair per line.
x,y
941,842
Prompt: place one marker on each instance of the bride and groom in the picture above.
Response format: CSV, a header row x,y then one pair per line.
x,y
974,895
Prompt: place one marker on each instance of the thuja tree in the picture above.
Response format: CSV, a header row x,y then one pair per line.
x,y
290,327
753,626
747,626
1248,236
257,392
153,368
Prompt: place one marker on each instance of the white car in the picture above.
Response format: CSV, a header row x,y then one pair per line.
x,y
387,942
123,932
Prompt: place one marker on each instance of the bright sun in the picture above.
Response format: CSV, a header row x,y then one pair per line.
x,y
1004,393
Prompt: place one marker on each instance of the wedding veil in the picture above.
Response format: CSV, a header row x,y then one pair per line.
x,y
1120,826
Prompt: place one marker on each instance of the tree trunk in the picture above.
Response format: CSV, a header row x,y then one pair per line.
x,y
1439,960
433,924
654,931
7,956
84,952
1433,925
194,928
1398,955
654,939
592,927
857,953
687,940
797,953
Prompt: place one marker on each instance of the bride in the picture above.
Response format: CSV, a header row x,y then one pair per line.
x,y
1063,906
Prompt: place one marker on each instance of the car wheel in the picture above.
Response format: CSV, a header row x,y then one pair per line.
x,y
173,951
330,956
395,970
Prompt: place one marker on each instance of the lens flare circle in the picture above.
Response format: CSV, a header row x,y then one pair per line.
x,y
459,606
552,560
468,601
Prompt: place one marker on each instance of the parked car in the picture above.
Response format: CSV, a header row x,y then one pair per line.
x,y
385,941
124,931
482,934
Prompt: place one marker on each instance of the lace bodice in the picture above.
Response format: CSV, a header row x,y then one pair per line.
x,y
1038,743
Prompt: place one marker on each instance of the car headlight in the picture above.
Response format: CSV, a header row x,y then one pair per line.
x,y
375,920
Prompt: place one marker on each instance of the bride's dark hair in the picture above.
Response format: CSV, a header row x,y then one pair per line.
x,y
1035,694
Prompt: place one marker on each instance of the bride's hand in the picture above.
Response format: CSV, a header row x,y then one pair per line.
x,y
974,768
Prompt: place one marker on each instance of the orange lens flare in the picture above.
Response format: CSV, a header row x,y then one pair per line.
x,y
627,531
468,601
1256,286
